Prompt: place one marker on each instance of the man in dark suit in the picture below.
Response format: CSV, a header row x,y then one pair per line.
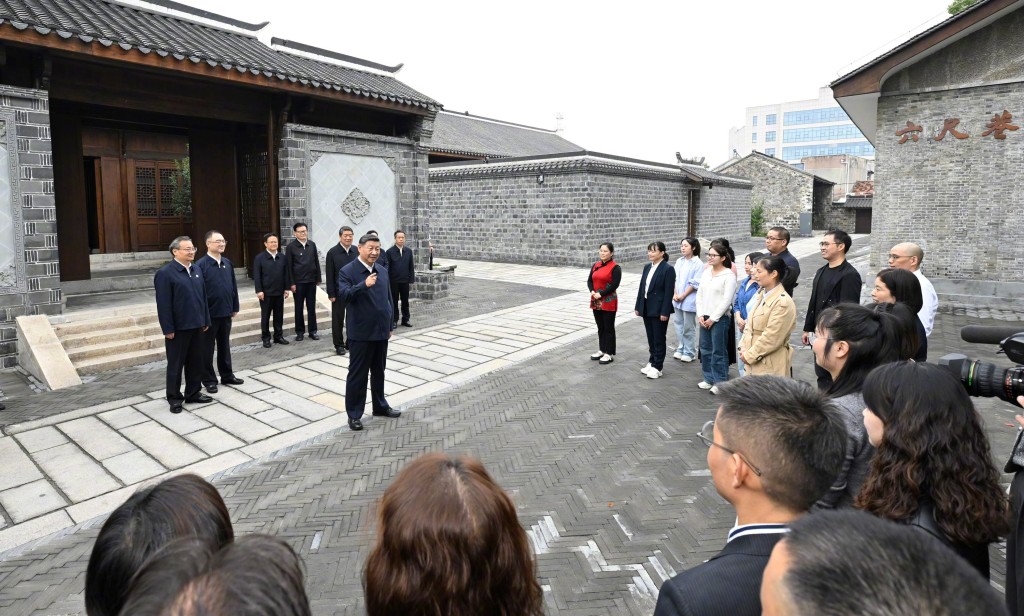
x,y
222,298
304,269
338,257
365,288
654,304
777,242
383,260
758,448
272,280
850,562
184,315
835,282
400,270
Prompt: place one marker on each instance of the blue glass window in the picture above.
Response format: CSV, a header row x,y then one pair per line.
x,y
769,136
770,151
821,133
862,148
753,137
754,121
769,120
815,116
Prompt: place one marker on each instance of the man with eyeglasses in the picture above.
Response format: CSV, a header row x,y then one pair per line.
x,y
184,315
222,298
908,256
777,243
835,282
303,261
774,449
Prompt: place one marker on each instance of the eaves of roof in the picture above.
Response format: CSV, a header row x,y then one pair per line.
x,y
781,164
103,24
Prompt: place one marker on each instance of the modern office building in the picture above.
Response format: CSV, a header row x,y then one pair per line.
x,y
798,129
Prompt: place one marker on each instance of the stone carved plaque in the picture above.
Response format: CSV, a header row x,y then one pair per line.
x,y
356,206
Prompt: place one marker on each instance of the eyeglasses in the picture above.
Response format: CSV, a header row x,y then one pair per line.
x,y
218,241
893,257
772,239
713,256
709,428
814,336
186,249
823,244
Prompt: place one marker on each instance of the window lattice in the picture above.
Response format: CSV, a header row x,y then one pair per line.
x,y
146,191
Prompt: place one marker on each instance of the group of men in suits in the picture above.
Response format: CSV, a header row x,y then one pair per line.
x,y
196,303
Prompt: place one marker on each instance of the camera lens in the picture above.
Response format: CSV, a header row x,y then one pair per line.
x,y
985,380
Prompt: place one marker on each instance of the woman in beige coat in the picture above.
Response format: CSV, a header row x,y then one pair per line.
x,y
765,344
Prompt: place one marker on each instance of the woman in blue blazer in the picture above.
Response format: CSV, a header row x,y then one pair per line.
x,y
654,304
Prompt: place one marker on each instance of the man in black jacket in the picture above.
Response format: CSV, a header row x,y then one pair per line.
x,y
758,448
400,270
271,277
835,282
304,268
365,288
777,242
222,297
338,257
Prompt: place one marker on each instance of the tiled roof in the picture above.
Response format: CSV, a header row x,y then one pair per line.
x,y
461,133
724,167
862,188
859,202
100,22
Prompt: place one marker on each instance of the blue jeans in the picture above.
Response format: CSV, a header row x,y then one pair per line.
x,y
686,332
714,354
740,367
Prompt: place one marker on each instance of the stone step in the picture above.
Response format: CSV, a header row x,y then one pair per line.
x,y
76,335
130,278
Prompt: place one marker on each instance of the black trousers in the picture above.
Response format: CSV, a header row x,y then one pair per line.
x,y
219,336
400,289
337,322
605,331
365,357
657,330
185,350
305,294
272,304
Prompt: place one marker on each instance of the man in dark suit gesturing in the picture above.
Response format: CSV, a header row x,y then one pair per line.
x,y
366,291
775,446
184,315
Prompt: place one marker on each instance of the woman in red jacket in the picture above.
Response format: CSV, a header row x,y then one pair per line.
x,y
603,281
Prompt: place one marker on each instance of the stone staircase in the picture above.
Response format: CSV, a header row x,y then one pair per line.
x,y
118,337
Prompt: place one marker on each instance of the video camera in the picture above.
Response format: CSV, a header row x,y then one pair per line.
x,y
982,379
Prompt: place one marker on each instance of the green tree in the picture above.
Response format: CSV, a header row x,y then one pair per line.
x,y
181,198
757,219
959,6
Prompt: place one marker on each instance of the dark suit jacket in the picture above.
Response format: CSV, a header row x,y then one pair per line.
x,y
847,289
792,273
221,286
180,298
727,585
400,267
369,313
337,258
303,263
659,298
271,275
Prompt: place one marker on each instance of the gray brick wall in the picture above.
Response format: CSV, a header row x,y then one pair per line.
x,y
32,285
834,215
784,192
962,200
503,213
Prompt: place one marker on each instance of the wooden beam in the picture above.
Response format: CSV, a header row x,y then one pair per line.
x,y
115,54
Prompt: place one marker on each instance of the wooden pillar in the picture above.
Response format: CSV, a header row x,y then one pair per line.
x,y
69,196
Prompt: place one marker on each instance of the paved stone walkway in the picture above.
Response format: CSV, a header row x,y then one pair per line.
x,y
601,462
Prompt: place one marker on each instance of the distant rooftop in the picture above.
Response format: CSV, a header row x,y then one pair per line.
x,y
476,136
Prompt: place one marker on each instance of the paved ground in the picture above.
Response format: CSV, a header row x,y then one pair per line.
x,y
602,464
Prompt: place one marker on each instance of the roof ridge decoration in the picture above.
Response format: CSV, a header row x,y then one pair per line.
x,y
466,114
147,31
334,55
197,12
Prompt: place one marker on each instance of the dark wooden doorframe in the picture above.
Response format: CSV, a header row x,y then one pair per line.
x,y
693,199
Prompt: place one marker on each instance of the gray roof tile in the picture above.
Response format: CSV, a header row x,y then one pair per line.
x,y
459,133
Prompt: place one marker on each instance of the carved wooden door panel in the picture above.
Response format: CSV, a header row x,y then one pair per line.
x,y
253,192
155,220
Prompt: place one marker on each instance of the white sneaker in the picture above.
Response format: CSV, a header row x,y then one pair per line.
x,y
678,355
714,389
686,359
607,359
705,385
654,373
645,369
597,356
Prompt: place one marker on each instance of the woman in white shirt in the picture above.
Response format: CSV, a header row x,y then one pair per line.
x,y
714,299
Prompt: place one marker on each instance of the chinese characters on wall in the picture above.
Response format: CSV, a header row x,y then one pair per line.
x,y
996,127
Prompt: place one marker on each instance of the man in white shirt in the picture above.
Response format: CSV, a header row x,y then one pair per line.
x,y
908,256
757,454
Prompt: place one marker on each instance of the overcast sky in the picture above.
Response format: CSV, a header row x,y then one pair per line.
x,y
640,79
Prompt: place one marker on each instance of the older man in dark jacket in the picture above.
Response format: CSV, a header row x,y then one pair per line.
x,y
184,315
366,290
222,298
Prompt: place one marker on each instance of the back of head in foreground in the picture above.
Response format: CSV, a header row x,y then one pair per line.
x,y
449,543
185,506
792,432
850,563
257,575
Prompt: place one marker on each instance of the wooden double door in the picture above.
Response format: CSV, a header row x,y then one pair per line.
x,y
141,194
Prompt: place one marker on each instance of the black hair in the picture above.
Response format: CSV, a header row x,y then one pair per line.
x,y
609,245
906,327
210,233
368,237
344,229
841,237
904,286
873,337
794,434
783,234
659,246
694,244
267,236
724,251
397,231
774,264
754,256
850,562
296,226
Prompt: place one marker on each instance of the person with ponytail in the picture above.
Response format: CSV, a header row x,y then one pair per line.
x,y
850,341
